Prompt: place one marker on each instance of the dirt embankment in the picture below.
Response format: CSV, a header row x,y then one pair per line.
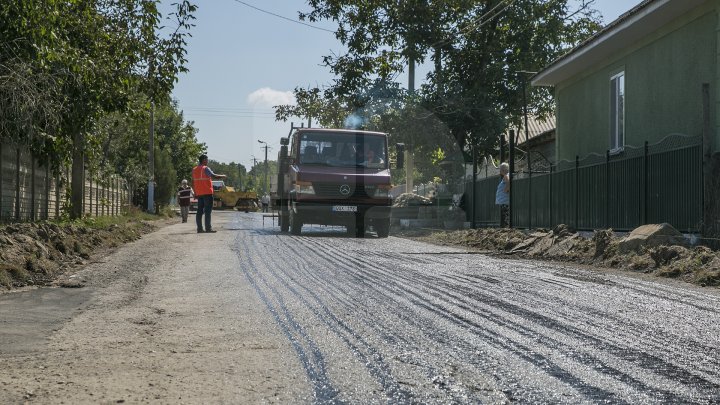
x,y
37,253
698,265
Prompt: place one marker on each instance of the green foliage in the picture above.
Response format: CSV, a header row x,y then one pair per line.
x,y
78,60
236,173
312,104
178,138
166,181
437,156
242,179
256,176
120,144
478,47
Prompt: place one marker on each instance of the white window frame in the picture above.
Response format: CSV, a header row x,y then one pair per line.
x,y
617,112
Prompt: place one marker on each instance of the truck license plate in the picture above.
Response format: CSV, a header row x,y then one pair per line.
x,y
344,208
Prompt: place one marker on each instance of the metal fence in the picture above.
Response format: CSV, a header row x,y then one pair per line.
x,y
649,184
29,191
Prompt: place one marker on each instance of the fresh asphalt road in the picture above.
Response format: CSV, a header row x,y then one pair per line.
x,y
254,315
392,320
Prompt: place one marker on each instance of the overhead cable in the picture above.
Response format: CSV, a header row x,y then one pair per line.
x,y
283,17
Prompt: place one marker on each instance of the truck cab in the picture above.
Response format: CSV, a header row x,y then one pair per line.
x,y
335,177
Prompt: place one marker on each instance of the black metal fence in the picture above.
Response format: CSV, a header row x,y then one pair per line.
x,y
649,184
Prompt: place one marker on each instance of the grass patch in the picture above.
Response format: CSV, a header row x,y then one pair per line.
x,y
707,278
19,274
104,222
641,262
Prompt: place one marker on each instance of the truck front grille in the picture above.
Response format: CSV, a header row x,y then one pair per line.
x,y
339,190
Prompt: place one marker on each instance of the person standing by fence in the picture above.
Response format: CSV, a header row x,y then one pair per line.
x,y
184,194
202,183
265,202
502,195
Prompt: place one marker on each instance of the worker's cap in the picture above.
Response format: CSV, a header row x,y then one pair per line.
x,y
202,157
184,182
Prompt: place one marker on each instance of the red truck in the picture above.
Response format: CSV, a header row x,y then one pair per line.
x,y
335,177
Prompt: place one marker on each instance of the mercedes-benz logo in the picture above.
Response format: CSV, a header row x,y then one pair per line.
x,y
345,189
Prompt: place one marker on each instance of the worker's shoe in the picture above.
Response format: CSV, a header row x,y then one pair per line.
x,y
211,231
200,231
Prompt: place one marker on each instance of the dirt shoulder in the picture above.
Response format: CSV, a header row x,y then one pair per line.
x,y
158,321
698,265
40,254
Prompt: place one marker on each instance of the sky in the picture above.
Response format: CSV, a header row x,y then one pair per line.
x,y
242,61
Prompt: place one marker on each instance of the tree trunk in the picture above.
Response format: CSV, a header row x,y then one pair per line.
x,y
78,175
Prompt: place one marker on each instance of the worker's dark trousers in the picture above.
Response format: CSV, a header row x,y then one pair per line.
x,y
205,203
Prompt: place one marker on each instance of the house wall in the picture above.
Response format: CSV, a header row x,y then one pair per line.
x,y
664,74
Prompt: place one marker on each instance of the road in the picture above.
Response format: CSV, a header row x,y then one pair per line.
x,y
249,315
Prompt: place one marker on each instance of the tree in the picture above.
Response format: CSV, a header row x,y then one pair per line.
x,y
178,137
93,55
235,172
119,143
166,181
256,176
312,104
478,48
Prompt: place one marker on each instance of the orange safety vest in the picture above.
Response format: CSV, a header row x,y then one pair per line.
x,y
202,184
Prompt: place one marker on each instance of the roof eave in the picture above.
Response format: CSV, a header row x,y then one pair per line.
x,y
628,29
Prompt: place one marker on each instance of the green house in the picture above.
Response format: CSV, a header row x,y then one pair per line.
x,y
638,80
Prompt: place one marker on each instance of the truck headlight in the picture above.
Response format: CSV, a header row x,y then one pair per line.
x,y
382,191
304,187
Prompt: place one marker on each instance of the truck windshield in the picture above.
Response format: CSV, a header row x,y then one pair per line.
x,y
343,149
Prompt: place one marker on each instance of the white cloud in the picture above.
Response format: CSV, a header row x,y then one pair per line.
x,y
267,97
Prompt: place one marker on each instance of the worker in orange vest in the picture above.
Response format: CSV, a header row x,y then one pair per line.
x,y
202,177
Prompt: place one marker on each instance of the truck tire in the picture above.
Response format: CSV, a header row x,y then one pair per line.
x,y
295,223
382,227
283,222
357,228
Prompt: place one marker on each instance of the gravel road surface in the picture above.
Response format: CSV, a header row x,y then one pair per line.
x,y
251,315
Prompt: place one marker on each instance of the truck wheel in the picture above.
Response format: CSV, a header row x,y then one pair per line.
x,y
282,220
295,224
382,227
357,228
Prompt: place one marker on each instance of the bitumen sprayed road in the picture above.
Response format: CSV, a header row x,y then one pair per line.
x,y
392,320
252,315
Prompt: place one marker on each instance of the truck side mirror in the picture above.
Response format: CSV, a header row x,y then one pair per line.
x,y
400,151
284,141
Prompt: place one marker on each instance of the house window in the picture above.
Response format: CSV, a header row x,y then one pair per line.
x,y
617,112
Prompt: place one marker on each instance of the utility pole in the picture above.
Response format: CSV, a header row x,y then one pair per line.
x,y
266,166
525,73
151,162
253,168
409,164
473,219
511,174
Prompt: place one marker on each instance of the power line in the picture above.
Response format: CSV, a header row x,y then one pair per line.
x,y
228,112
283,17
479,21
